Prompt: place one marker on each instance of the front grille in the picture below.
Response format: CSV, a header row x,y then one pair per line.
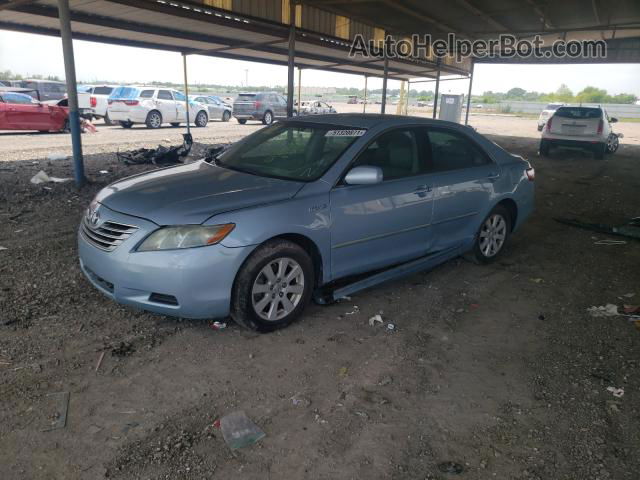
x,y
108,235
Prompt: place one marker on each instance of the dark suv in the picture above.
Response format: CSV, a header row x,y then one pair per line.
x,y
48,89
264,107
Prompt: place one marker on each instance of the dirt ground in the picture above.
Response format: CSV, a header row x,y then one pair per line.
x,y
498,369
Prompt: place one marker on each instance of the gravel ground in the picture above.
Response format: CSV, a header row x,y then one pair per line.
x,y
497,369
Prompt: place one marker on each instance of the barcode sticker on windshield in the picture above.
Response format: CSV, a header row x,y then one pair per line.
x,y
345,133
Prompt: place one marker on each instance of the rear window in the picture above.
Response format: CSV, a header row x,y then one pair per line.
x,y
246,96
578,112
103,90
124,93
552,106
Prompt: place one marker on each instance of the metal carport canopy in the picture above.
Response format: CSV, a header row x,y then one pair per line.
x,y
193,28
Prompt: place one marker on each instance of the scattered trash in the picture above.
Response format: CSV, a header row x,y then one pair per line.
x,y
631,309
629,295
616,392
391,327
104,172
57,156
300,401
451,467
87,127
42,177
536,280
608,310
475,305
218,325
123,350
345,298
100,361
343,371
320,419
59,418
631,229
3,248
239,431
356,309
610,242
385,381
541,317
158,156
375,319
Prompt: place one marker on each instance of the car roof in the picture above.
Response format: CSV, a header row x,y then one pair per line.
x,y
367,120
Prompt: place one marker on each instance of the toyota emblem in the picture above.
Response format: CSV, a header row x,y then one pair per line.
x,y
94,217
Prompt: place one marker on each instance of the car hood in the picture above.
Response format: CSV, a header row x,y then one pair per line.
x,y
190,194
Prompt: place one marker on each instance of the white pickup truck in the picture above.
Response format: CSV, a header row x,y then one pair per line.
x,y
84,104
98,96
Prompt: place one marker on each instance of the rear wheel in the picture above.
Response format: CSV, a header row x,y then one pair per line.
x,y
599,151
242,121
268,118
545,147
154,119
226,116
613,143
201,119
492,236
126,124
273,286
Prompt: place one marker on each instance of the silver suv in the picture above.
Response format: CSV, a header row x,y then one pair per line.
x,y
264,107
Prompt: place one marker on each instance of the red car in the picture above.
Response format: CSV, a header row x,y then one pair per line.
x,y
19,110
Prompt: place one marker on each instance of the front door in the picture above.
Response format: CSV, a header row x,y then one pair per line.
x,y
24,114
374,226
464,177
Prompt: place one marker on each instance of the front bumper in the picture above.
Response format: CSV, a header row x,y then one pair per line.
x,y
189,283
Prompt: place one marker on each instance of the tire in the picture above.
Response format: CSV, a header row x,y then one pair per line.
x,y
201,119
66,128
599,151
250,302
612,143
540,127
107,120
154,119
483,252
175,124
268,118
242,121
545,148
126,124
226,116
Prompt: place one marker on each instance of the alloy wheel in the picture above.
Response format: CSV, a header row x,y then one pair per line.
x,y
493,235
277,289
155,120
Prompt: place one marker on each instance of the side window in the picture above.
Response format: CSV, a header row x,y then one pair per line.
x,y
396,153
453,151
179,96
164,95
146,94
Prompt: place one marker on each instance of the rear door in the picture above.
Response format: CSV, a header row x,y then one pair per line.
x,y
181,108
166,105
464,176
374,226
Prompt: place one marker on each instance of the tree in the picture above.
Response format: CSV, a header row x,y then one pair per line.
x,y
592,95
563,94
516,93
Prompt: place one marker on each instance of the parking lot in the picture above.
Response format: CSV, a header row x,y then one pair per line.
x,y
497,368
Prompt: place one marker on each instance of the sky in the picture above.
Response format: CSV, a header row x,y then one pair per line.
x,y
40,54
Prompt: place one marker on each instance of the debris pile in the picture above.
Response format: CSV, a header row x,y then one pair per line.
x,y
158,156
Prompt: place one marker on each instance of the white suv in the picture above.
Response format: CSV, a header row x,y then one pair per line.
x,y
99,100
153,106
582,127
546,113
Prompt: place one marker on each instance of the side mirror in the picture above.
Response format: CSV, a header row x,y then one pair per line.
x,y
364,175
613,120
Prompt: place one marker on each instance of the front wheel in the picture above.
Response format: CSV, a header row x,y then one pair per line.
x,y
201,119
273,286
492,236
226,116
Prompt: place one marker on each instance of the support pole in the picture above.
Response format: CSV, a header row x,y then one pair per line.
x,y
292,52
466,117
364,104
299,88
406,108
384,82
72,90
435,99
186,90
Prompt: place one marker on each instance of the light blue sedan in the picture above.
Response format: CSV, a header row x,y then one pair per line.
x,y
316,207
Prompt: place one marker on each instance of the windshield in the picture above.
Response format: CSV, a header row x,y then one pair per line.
x,y
291,152
578,112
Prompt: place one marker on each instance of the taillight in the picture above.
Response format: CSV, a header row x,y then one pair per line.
x,y
600,126
257,105
549,124
93,101
131,102
531,174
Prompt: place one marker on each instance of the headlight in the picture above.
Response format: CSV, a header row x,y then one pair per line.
x,y
186,236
